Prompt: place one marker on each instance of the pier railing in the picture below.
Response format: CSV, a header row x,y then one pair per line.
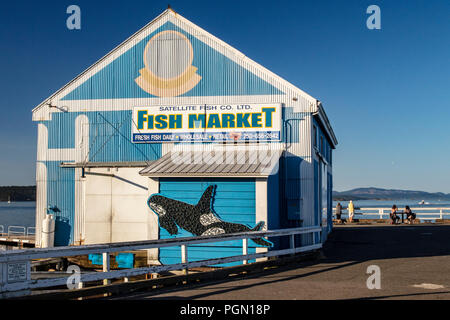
x,y
16,236
18,231
423,213
15,265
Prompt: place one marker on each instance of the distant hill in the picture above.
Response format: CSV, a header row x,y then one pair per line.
x,y
27,193
387,194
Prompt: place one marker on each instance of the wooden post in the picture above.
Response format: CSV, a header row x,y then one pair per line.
x,y
184,257
245,249
80,286
106,266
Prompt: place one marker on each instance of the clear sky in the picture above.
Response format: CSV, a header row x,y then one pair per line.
x,y
386,92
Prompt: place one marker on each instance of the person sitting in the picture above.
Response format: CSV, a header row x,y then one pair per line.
x,y
393,215
410,216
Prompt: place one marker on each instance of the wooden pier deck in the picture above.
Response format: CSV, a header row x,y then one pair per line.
x,y
11,241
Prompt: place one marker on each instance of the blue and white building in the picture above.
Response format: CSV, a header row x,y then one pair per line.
x,y
172,110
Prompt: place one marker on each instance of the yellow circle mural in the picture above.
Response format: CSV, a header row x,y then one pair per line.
x,y
168,68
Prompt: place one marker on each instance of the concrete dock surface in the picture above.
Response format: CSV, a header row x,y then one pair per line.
x,y
413,261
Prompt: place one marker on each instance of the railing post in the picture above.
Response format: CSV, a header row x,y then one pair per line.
x,y
381,211
184,257
440,210
292,241
11,232
106,266
80,286
245,249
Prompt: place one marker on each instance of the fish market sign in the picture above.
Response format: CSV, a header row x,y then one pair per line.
x,y
207,123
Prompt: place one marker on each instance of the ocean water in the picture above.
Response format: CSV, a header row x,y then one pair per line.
x,y
23,213
17,214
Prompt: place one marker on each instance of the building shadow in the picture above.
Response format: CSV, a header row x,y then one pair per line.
x,y
386,242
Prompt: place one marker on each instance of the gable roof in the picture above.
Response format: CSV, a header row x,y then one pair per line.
x,y
268,81
174,18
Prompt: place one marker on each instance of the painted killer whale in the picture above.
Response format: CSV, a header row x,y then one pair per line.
x,y
199,219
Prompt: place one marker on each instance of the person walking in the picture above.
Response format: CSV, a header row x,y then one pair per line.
x,y
351,211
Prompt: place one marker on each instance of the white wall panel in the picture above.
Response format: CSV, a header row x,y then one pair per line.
x,y
116,208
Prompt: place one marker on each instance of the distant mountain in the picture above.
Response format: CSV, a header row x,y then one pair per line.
x,y
387,194
14,193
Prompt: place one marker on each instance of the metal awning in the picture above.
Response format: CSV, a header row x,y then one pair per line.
x,y
217,161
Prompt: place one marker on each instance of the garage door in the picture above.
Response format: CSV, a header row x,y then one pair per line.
x,y
234,201
116,209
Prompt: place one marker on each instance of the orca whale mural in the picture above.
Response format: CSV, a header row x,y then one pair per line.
x,y
199,219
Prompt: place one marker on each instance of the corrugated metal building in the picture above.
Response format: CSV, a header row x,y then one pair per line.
x,y
171,111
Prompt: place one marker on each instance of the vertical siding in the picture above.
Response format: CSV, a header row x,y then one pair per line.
x,y
317,216
79,137
330,202
110,139
324,148
299,177
234,202
307,171
274,214
102,137
60,196
221,76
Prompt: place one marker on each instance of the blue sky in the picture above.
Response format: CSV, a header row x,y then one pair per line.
x,y
386,92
